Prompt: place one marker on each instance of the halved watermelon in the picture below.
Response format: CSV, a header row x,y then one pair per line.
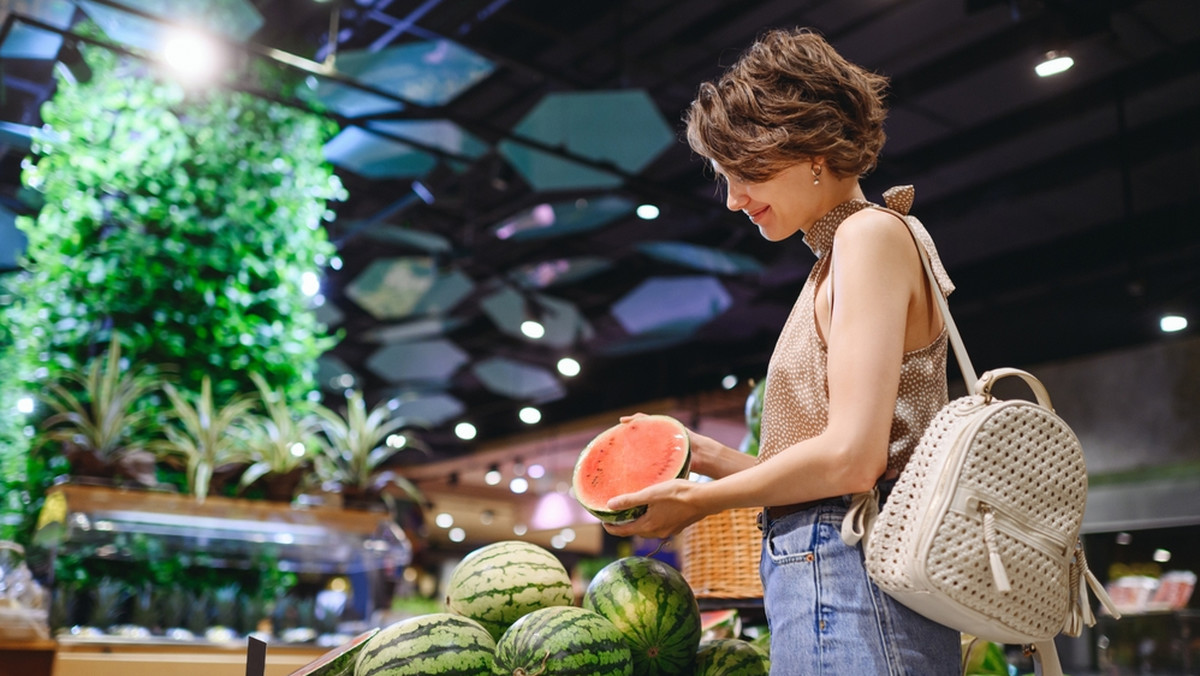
x,y
628,457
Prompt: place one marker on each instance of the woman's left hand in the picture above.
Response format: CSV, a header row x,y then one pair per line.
x,y
671,507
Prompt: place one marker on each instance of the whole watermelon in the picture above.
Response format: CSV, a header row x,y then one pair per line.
x,y
563,641
654,609
730,657
498,583
438,643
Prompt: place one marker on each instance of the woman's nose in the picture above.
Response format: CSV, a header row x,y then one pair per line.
x,y
735,197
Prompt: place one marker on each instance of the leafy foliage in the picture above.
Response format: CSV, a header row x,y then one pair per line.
x,y
354,447
281,439
204,436
109,422
188,220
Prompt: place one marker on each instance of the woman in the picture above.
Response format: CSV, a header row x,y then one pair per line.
x,y
858,371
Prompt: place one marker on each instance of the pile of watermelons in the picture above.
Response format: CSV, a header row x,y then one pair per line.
x,y
510,610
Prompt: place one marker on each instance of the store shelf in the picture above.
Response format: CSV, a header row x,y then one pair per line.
x,y
230,531
111,658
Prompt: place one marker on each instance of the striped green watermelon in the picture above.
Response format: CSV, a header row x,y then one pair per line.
x,y
654,609
628,457
498,583
730,657
563,641
438,643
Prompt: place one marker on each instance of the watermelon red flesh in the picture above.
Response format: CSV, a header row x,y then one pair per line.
x,y
628,457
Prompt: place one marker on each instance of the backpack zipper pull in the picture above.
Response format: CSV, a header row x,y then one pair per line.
x,y
999,575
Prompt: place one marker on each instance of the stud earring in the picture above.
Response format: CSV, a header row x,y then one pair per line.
x,y
817,170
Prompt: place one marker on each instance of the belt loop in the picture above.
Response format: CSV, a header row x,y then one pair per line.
x,y
758,520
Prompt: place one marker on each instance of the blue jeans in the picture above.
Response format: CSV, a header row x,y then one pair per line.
x,y
827,618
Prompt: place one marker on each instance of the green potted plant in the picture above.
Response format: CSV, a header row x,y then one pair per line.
x,y
204,438
99,429
354,450
280,441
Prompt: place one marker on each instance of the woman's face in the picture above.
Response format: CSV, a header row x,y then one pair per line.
x,y
780,206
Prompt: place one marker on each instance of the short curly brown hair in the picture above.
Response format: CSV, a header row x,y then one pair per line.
x,y
790,97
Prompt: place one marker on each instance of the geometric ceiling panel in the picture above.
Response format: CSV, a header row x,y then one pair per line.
x,y
622,127
426,409
416,329
562,321
27,42
440,134
701,258
395,234
518,380
431,73
327,313
374,156
671,304
569,217
420,361
335,375
233,19
547,274
390,288
448,289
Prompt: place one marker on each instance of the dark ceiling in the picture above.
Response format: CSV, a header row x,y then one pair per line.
x,y
1065,208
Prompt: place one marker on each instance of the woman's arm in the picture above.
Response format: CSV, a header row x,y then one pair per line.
x,y
876,277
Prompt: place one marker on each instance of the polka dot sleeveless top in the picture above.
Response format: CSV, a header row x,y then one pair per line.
x,y
796,401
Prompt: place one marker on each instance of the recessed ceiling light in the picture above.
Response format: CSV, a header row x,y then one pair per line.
x,y
1054,63
465,431
533,329
568,367
530,415
1170,323
647,212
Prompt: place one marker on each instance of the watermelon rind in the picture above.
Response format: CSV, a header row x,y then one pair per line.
x,y
498,583
436,643
653,607
730,657
624,516
339,661
563,641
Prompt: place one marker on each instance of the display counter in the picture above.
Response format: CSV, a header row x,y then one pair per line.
x,y
150,657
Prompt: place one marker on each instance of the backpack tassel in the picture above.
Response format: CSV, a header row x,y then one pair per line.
x,y
1081,608
999,575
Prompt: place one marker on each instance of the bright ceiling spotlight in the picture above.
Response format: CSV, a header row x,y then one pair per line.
x,y
530,415
568,367
729,382
457,534
647,212
1172,323
444,520
465,431
397,440
518,485
493,475
190,54
533,329
536,471
1053,63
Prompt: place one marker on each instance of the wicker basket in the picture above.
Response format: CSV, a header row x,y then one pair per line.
x,y
719,555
